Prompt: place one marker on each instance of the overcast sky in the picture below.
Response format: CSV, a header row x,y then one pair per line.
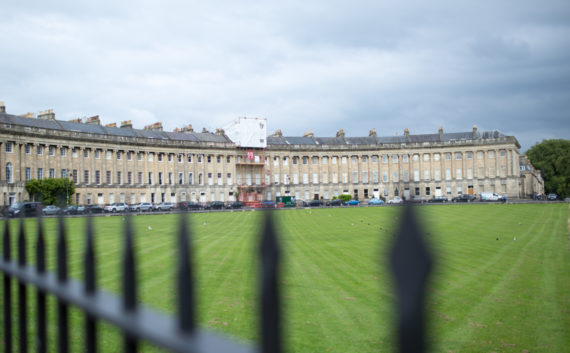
x,y
303,65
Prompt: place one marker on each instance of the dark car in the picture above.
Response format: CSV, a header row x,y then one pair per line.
x,y
74,210
335,202
464,198
25,209
438,199
188,205
215,205
235,205
315,203
91,209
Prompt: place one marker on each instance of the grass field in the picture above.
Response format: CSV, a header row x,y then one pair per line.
x,y
488,293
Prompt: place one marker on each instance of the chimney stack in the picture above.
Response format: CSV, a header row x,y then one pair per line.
x,y
309,134
2,107
154,127
440,131
220,132
372,133
340,133
278,133
94,120
474,132
46,115
111,125
126,124
187,128
78,120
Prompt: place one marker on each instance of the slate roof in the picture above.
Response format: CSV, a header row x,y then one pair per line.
x,y
272,140
373,140
114,131
79,127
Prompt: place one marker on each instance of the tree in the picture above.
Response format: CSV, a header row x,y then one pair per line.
x,y
552,158
51,191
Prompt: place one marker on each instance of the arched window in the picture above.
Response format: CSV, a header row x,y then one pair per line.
x,y
9,172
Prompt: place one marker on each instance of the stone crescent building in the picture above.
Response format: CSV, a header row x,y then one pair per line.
x,y
122,164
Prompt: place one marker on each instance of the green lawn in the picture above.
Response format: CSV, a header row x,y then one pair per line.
x,y
485,295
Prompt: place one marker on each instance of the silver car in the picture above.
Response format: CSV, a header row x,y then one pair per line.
x,y
51,210
142,207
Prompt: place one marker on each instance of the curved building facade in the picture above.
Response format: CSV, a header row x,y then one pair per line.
x,y
122,164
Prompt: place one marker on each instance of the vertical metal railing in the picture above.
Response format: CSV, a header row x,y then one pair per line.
x,y
41,296
90,288
22,297
409,259
62,310
7,291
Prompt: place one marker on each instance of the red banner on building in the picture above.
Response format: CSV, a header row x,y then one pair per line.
x,y
249,154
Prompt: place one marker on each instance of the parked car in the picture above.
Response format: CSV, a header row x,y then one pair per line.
x,y
395,200
234,205
417,199
464,198
302,203
91,209
268,204
164,206
215,205
352,202
375,202
142,207
440,199
315,203
551,197
491,196
194,206
74,210
335,202
25,209
51,210
188,205
116,207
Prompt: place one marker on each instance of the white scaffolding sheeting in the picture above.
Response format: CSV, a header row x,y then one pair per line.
x,y
248,132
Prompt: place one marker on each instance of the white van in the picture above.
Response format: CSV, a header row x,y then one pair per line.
x,y
491,196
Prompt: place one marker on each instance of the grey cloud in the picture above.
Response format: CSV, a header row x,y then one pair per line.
x,y
315,65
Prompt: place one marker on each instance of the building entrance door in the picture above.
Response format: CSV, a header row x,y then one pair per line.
x,y
438,191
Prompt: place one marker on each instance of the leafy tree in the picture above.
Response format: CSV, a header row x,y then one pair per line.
x,y
345,197
552,158
51,191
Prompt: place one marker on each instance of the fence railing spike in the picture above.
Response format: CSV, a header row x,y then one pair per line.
x,y
41,297
270,312
22,291
129,283
410,263
185,279
62,309
7,290
90,286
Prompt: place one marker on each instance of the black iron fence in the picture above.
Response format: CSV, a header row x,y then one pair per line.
x,y
409,260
